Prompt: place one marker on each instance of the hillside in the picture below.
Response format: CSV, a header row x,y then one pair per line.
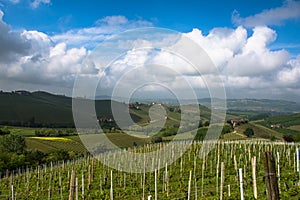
x,y
285,120
42,109
36,107
259,131
285,124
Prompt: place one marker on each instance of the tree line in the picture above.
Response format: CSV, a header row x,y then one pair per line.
x,y
13,154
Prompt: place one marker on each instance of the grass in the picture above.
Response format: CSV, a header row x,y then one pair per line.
x,y
284,120
295,128
259,131
48,144
55,109
234,136
27,132
121,140
74,143
33,144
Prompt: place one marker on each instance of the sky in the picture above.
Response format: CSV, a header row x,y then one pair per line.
x,y
255,45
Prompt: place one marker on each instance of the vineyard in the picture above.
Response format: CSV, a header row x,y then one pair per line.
x,y
231,170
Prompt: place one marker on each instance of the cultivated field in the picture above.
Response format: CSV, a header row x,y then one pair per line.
x,y
189,177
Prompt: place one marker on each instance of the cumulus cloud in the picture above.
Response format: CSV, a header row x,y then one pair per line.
x,y
12,43
255,58
36,3
32,57
275,16
221,43
236,54
244,61
290,76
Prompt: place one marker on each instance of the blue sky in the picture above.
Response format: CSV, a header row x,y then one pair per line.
x,y
58,16
40,29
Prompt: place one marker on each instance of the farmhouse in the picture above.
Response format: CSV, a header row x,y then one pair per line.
x,y
105,119
236,122
22,92
276,126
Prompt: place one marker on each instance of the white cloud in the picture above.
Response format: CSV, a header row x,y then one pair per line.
x,y
235,54
104,28
275,16
221,43
15,1
246,63
12,43
113,20
31,57
290,76
36,3
255,58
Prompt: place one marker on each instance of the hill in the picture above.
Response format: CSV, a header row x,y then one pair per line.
x,y
285,124
42,109
285,120
273,107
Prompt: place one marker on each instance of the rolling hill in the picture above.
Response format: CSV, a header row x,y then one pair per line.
x,y
42,109
45,109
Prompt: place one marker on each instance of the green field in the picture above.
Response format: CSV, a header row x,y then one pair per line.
x,y
284,120
288,124
73,143
295,128
259,131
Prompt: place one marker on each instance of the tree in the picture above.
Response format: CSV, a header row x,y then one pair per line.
x,y
35,157
206,123
226,129
288,138
4,131
13,143
58,155
156,139
296,138
201,133
249,132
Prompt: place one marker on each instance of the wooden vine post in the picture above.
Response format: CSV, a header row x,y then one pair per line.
x,y
270,176
72,186
222,180
253,162
155,184
189,186
241,183
82,186
111,186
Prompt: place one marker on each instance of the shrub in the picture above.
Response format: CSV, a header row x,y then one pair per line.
x,y
288,138
13,143
201,133
156,139
249,132
4,131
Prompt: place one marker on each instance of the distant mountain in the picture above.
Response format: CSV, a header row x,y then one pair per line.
x,y
263,106
273,107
